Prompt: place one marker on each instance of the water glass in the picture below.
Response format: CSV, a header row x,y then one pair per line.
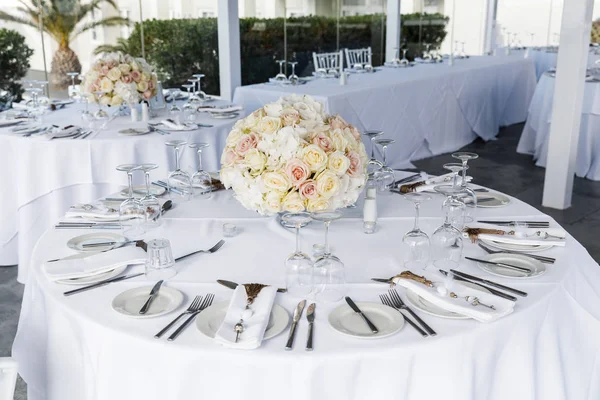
x,y
160,262
298,265
329,274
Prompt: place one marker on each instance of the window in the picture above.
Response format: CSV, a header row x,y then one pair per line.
x,y
125,30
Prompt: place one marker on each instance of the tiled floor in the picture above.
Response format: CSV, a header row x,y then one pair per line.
x,y
499,167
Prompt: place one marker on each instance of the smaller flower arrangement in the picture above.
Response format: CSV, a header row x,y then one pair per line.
x,y
123,78
291,156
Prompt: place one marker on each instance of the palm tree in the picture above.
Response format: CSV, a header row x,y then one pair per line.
x,y
63,20
122,46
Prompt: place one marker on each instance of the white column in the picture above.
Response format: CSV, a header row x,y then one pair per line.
x,y
393,27
489,30
230,71
568,101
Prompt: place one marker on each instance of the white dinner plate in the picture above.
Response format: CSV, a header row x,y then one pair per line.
x,y
525,248
134,132
209,320
345,321
63,133
88,280
427,307
536,267
131,301
499,200
77,242
392,65
10,122
140,191
58,102
230,115
23,129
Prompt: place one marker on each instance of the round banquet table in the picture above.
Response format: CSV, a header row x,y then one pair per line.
x,y
78,348
536,132
42,177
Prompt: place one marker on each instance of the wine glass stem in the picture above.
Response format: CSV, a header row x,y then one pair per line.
x,y
293,69
464,173
327,237
372,148
281,68
454,181
417,208
384,157
199,160
147,182
130,181
297,238
177,157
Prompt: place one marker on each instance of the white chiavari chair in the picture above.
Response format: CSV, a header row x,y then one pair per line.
x,y
359,56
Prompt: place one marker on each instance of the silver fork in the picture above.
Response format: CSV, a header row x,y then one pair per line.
x,y
398,303
210,251
205,304
194,306
386,300
547,260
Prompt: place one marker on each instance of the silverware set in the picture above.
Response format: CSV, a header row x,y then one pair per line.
x,y
544,259
196,307
525,224
101,283
164,185
393,299
296,318
87,225
82,134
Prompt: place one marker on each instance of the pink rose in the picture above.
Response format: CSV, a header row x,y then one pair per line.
x,y
337,123
150,85
355,168
297,171
246,143
308,190
148,94
324,142
355,132
229,157
135,75
111,64
290,118
126,78
104,70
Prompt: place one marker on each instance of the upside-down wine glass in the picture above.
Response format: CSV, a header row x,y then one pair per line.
x,y
101,114
174,109
457,217
404,60
43,99
293,77
201,95
416,240
179,181
385,175
150,203
132,215
396,59
470,197
280,77
374,163
189,109
194,99
74,93
447,241
201,180
329,277
298,265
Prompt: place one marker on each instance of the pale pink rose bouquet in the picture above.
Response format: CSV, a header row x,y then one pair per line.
x,y
291,156
123,78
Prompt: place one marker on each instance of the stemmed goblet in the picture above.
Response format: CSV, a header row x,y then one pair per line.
x,y
280,77
447,241
470,198
385,175
132,215
199,93
150,203
293,78
189,109
73,93
396,59
101,114
404,60
298,265
374,163
174,109
329,276
179,181
458,216
416,240
201,180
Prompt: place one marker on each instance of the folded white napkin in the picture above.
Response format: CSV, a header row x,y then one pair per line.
x,y
94,264
255,322
172,125
95,214
460,305
218,110
61,133
528,241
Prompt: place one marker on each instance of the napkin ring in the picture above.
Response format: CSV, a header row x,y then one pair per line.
x,y
414,277
473,233
411,187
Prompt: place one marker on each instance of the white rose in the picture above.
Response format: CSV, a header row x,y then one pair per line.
x,y
292,202
276,181
273,202
273,110
305,111
114,74
116,100
268,125
233,138
328,184
338,163
105,100
142,86
125,68
317,204
314,157
339,140
145,77
256,160
106,85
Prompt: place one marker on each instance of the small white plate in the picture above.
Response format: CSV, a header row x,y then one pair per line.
x,y
88,280
499,200
23,129
63,133
134,132
345,321
427,307
536,267
77,242
138,190
57,102
209,320
184,128
131,301
10,122
225,115
525,248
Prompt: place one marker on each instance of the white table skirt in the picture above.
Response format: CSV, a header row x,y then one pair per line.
x,y
78,348
536,133
35,167
428,109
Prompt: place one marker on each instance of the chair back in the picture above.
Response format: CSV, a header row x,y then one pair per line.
x,y
327,60
359,56
8,377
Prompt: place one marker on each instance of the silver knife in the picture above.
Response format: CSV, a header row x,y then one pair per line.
x,y
233,285
100,284
503,265
354,307
310,316
297,315
151,297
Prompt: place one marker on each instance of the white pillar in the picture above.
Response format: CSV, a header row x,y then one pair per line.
x,y
567,105
490,26
230,71
393,27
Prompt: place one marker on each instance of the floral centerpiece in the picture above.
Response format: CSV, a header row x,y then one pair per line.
x,y
123,78
291,156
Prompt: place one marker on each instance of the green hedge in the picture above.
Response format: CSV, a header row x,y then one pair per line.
x,y
180,48
14,61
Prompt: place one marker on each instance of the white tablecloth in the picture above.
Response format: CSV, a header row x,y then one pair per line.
x,y
78,348
428,109
536,133
40,172
545,59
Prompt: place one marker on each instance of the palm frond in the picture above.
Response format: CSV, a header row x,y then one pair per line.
x,y
121,46
4,16
110,21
